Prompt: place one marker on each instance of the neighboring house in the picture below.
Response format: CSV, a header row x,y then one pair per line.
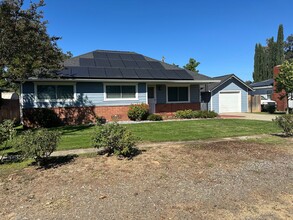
x,y
228,95
9,105
105,83
264,88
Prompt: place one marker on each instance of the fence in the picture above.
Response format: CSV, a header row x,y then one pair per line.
x,y
9,109
254,104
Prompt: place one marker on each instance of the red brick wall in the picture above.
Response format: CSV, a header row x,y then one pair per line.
x,y
173,107
281,104
82,115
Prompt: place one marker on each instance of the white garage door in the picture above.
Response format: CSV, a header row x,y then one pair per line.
x,y
230,102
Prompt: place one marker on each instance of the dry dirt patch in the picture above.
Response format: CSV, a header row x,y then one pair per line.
x,y
216,180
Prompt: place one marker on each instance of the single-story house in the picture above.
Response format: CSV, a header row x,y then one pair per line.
x,y
230,94
105,83
264,88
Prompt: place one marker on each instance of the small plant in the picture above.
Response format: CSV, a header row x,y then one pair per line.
x,y
138,112
285,122
115,139
100,120
188,114
7,133
154,117
184,114
38,144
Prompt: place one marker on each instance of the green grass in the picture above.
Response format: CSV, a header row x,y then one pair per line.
x,y
74,137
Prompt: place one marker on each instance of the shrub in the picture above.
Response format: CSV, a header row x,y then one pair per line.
x,y
38,144
187,114
100,120
7,132
154,117
285,122
138,112
271,109
115,139
43,117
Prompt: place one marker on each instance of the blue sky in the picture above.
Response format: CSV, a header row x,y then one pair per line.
x,y
219,34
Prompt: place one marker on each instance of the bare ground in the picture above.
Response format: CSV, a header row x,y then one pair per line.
x,y
216,180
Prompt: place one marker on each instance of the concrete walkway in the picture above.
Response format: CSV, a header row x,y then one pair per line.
x,y
249,116
158,144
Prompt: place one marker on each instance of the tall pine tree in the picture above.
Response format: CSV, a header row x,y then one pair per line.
x,y
280,46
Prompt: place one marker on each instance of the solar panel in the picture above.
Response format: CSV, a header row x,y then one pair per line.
x,y
143,74
156,65
100,55
102,63
80,72
65,72
130,64
183,74
157,74
129,73
97,72
113,56
143,64
171,74
113,73
87,62
116,63
137,57
125,56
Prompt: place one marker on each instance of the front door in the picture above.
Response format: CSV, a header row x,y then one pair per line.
x,y
152,99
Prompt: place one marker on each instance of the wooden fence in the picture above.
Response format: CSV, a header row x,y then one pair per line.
x,y
254,104
9,109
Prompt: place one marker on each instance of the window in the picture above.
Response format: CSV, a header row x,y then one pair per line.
x,y
120,92
54,92
177,94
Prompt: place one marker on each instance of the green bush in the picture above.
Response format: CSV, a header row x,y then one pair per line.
x,y
100,120
271,109
7,133
285,122
115,139
184,114
138,112
154,117
187,114
43,117
38,144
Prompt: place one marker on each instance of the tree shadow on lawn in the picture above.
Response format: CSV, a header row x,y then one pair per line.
x,y
55,161
73,128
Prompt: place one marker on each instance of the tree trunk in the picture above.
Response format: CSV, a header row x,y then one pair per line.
x,y
287,100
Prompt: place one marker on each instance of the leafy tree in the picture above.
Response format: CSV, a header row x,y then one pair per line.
x,y
289,47
284,80
192,65
26,49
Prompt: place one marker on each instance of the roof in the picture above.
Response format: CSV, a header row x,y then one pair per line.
x,y
268,82
101,64
224,79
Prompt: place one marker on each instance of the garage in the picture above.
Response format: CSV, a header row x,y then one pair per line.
x,y
230,101
230,94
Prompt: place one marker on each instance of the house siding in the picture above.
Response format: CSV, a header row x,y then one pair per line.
x,y
232,85
87,94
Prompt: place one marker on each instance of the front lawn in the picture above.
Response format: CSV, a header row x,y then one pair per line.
x,y
74,137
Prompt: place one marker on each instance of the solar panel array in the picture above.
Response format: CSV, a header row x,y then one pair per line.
x,y
122,66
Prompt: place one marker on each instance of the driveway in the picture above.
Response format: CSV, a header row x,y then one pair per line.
x,y
249,116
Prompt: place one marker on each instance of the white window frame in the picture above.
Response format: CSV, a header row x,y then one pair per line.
x,y
121,84
36,84
167,95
